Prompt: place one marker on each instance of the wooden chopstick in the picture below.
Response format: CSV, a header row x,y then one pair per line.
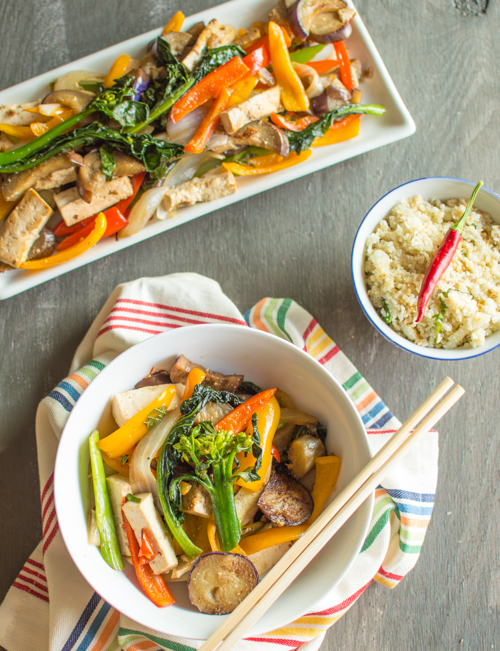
x,y
334,516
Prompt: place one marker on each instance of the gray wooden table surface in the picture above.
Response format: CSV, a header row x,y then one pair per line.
x,y
294,241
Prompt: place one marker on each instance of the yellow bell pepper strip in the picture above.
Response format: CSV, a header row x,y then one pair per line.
x,y
249,170
327,474
72,252
208,87
214,539
238,419
116,464
268,418
241,90
6,206
185,488
39,128
118,443
117,70
104,513
264,161
22,133
271,537
346,76
293,94
195,376
209,123
344,130
174,24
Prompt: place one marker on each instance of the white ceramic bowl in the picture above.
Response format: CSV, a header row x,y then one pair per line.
x,y
437,187
264,359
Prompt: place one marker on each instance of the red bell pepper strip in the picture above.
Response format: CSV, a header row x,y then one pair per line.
x,y
210,122
443,257
238,420
257,59
153,584
115,217
264,40
275,454
298,125
146,552
345,65
208,87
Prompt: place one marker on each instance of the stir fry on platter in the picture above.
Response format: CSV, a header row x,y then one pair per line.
x,y
101,155
208,479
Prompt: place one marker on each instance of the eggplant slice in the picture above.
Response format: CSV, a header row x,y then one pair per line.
x,y
154,379
218,381
219,581
285,501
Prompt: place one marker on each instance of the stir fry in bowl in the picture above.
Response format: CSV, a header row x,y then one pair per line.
x,y
106,151
208,479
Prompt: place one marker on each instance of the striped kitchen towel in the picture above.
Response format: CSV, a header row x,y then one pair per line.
x,y
51,607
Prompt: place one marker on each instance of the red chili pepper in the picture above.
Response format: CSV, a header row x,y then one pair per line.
x,y
210,122
153,584
275,454
257,59
443,257
146,552
345,65
298,125
237,420
115,218
208,87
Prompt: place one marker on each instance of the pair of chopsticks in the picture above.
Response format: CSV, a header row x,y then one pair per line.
x,y
333,517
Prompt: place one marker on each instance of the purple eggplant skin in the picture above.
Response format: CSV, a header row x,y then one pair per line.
x,y
153,380
219,581
331,99
333,37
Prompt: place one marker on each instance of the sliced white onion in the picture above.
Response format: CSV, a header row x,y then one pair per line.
x,y
181,132
143,210
266,77
142,479
305,72
50,109
70,81
92,530
219,140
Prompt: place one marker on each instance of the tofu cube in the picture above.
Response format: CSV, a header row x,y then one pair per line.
x,y
197,502
128,404
118,489
73,209
143,515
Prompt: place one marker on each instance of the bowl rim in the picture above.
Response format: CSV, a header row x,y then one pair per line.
x,y
390,335
349,404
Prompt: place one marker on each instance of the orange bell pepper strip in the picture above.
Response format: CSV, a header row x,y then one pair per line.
x,y
174,24
21,133
208,87
238,419
327,474
346,76
116,464
293,94
322,67
91,239
342,130
268,418
119,442
241,90
257,59
154,585
271,537
249,170
264,40
195,376
214,539
298,125
61,229
210,122
117,70
39,128
146,551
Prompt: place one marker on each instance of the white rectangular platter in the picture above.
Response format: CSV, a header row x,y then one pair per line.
x,y
375,132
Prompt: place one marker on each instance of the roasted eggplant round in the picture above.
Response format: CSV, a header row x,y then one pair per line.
x,y
320,19
285,501
154,379
219,581
43,246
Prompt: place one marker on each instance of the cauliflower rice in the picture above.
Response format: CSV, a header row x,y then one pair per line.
x,y
465,306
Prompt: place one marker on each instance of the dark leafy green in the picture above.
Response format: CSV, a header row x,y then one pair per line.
x,y
301,140
108,163
155,416
250,388
153,152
